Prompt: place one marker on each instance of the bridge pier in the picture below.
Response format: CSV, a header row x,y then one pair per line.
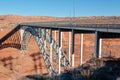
x,y
21,34
73,40
69,42
51,44
81,48
25,37
60,46
39,36
45,39
97,44
40,32
55,34
22,30
100,48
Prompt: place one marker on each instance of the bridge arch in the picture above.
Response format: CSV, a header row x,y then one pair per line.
x,y
28,32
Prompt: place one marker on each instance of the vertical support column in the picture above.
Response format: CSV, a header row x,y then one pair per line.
x,y
45,39
37,37
81,49
40,33
100,48
60,40
55,35
73,47
21,37
69,42
97,41
21,34
51,44
40,36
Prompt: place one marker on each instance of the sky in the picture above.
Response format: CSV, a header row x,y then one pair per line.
x,y
60,8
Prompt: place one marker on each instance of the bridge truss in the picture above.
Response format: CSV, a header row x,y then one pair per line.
x,y
42,37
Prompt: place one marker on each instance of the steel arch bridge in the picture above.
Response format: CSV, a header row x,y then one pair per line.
x,y
54,56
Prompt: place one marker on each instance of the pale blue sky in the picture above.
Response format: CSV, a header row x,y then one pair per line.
x,y
60,8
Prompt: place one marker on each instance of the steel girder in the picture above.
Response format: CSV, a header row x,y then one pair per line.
x,y
40,34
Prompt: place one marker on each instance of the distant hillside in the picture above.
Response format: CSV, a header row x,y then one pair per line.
x,y
13,20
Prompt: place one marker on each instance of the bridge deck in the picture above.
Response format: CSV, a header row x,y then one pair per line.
x,y
115,28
